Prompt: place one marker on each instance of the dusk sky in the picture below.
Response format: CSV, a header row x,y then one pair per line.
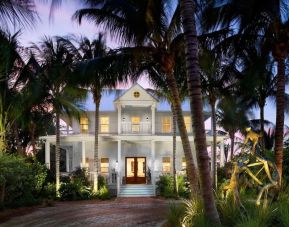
x,y
63,25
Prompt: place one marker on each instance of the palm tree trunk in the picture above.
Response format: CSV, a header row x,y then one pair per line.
x,y
191,170
97,98
280,106
194,87
57,154
232,138
174,148
214,150
262,128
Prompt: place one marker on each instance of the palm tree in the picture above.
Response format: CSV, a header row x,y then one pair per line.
x,y
232,117
96,76
17,12
188,10
162,92
158,43
56,63
267,23
216,80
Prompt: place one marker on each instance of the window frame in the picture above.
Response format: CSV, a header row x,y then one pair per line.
x,y
82,125
104,167
166,164
166,124
102,125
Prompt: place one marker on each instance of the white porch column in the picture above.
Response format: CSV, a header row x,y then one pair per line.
x,y
47,154
119,118
119,166
153,107
153,156
67,160
222,154
83,162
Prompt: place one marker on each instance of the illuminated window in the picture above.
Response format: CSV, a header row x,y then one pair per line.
x,y
184,164
104,165
104,124
83,124
135,124
166,164
188,123
166,124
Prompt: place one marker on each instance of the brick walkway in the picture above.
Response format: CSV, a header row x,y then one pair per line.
x,y
119,212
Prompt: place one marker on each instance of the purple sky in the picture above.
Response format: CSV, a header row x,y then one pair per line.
x,y
63,25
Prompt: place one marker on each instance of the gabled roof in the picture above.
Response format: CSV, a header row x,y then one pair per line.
x,y
128,94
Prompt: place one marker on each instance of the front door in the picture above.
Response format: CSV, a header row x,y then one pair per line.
x,y
135,170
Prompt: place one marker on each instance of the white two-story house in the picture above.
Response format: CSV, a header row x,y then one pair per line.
x,y
135,141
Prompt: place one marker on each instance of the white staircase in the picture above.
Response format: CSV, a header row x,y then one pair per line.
x,y
136,190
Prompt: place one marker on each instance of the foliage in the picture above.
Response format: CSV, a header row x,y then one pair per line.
x,y
175,215
165,186
74,191
77,187
21,182
103,193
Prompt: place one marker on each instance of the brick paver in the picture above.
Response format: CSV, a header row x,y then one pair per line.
x,y
119,212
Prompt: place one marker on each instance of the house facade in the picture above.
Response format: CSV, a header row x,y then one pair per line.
x,y
135,141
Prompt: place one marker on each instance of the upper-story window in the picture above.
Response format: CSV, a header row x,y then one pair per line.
x,y
83,124
187,120
135,124
166,124
104,124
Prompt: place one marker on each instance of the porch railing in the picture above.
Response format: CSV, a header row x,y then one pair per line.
x,y
143,127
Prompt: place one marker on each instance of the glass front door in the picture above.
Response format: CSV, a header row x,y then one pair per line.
x,y
135,170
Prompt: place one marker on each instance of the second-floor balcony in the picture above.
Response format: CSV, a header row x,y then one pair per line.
x,y
143,127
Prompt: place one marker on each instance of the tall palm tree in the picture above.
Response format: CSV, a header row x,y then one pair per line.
x,y
267,23
157,40
188,12
17,12
96,76
56,63
232,117
216,80
162,92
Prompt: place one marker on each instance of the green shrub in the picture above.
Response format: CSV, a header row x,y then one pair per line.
x,y
165,187
80,176
74,191
175,215
103,193
21,182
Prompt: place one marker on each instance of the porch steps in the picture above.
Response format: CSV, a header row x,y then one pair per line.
x,y
136,190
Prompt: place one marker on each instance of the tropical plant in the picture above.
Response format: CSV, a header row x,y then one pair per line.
x,y
216,80
56,62
162,92
17,12
93,73
268,24
188,12
232,117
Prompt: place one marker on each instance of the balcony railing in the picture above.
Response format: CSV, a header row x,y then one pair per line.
x,y
143,127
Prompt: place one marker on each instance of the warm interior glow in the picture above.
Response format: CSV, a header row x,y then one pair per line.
x,y
104,124
104,165
166,124
187,120
166,164
83,124
135,124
